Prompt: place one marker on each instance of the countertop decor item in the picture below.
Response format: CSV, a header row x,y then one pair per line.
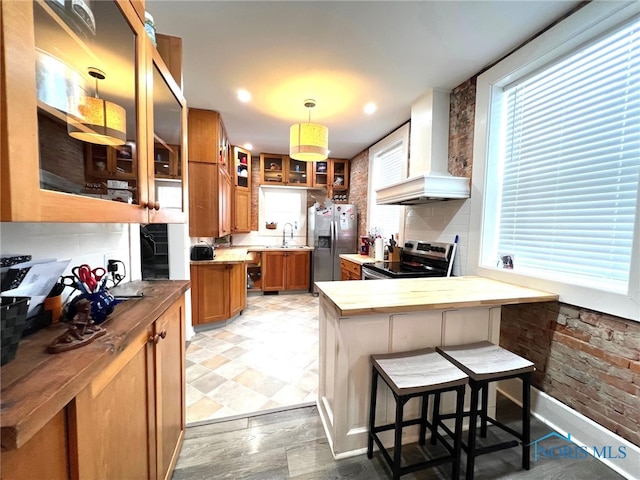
x,y
309,142
82,330
271,225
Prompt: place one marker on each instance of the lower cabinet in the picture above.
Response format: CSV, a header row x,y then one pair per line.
x,y
129,421
48,446
218,291
350,270
282,270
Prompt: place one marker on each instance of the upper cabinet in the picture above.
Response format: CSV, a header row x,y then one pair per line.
x,y
210,182
208,142
165,170
332,174
88,99
280,170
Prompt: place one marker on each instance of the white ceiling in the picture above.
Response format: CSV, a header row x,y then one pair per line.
x,y
343,54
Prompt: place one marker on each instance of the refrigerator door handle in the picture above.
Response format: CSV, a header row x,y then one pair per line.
x,y
332,237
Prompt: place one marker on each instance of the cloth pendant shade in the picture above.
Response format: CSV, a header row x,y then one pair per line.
x,y
308,142
101,122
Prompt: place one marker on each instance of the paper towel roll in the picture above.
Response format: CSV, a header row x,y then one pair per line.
x,y
379,250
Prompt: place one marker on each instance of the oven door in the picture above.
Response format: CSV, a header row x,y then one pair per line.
x,y
368,274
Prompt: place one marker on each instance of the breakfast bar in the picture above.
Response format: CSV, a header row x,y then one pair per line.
x,y
360,318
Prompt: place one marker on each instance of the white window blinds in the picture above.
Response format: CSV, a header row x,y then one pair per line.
x,y
571,164
387,168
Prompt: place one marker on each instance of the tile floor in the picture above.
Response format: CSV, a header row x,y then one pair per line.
x,y
264,360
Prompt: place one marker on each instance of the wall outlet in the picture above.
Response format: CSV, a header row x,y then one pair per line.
x,y
107,257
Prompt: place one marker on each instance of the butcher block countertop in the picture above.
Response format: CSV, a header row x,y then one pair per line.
x,y
239,254
364,297
36,385
357,258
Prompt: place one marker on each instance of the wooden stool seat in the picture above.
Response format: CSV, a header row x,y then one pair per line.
x,y
484,363
418,373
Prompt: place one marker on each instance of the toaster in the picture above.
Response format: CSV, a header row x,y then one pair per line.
x,y
202,252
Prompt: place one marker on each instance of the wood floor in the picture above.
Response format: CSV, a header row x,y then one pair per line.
x,y
292,445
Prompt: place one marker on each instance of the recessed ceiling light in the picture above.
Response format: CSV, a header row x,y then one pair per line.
x,y
248,146
370,108
244,96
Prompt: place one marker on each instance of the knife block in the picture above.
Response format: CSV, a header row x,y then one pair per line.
x,y
394,255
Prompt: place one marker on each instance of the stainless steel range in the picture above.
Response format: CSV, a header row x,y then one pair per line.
x,y
418,259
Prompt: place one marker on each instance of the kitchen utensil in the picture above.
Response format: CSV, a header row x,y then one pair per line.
x,y
89,277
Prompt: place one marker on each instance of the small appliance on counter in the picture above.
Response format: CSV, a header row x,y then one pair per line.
x,y
202,251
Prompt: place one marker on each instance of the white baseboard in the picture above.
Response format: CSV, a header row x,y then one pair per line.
x,y
584,431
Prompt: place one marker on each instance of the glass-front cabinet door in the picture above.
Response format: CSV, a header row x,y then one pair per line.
x,y
87,100
74,79
166,128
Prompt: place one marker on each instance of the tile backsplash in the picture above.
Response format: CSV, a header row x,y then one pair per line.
x,y
441,222
79,242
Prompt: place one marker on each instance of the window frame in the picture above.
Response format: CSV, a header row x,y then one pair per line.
x,y
593,20
400,135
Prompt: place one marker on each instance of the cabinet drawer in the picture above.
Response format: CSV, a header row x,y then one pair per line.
x,y
351,267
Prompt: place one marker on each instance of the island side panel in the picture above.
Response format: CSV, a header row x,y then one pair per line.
x,y
344,384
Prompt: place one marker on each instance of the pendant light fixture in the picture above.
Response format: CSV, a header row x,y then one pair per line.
x,y
100,121
309,142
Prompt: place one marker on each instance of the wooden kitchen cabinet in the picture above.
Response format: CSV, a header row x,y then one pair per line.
x,y
241,211
48,176
129,421
219,291
280,170
285,270
208,141
332,174
112,409
209,200
241,190
350,270
49,446
112,418
169,368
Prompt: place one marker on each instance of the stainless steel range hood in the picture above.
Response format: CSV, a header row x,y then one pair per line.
x,y
429,180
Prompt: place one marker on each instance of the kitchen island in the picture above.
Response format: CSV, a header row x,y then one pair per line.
x,y
359,318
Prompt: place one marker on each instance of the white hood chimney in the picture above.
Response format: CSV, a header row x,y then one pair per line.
x,y
429,179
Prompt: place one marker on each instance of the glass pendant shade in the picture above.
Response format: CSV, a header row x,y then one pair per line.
x,y
309,142
100,122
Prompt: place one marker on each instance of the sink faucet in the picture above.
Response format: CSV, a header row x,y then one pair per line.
x,y
284,232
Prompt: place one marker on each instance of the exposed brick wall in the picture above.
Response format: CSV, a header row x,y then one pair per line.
x,y
59,153
359,186
255,187
462,113
589,361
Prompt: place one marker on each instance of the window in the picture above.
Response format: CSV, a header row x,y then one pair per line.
x,y
388,161
280,206
562,169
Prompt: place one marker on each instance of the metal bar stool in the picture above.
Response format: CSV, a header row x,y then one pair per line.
x,y
485,362
418,373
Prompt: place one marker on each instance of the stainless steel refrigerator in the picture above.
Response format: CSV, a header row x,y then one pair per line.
x,y
332,230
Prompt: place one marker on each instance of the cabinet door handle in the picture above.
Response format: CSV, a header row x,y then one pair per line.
x,y
156,338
